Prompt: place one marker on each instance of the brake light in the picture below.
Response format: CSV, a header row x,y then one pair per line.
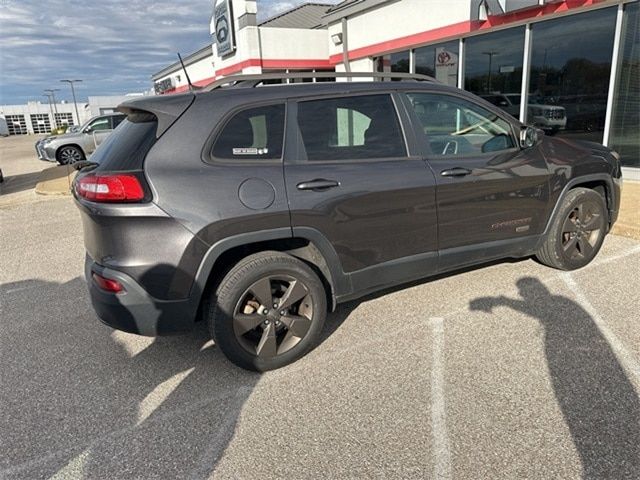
x,y
107,284
110,188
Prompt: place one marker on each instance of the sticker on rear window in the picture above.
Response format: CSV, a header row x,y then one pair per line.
x,y
250,151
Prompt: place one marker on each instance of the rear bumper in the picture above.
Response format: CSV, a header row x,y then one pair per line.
x,y
134,310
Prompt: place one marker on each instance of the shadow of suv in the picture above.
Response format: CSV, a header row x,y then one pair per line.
x,y
258,208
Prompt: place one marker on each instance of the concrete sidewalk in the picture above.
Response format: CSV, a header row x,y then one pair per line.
x,y
628,224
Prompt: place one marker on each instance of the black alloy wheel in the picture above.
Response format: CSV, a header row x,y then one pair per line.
x,y
582,230
273,315
268,311
576,232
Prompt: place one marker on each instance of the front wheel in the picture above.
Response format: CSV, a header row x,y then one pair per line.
x,y
268,311
69,154
577,231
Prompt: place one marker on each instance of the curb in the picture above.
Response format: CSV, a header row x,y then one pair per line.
x,y
56,180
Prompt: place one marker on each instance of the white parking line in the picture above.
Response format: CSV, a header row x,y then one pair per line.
x,y
441,453
625,357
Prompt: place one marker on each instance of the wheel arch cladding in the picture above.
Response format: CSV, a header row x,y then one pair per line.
x,y
222,256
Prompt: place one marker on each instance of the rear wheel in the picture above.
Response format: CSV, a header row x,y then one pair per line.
x,y
69,154
268,311
577,231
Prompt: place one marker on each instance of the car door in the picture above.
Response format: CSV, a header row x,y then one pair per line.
x,y
491,194
355,177
99,129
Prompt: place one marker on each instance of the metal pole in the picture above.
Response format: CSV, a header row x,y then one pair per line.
x,y
50,108
73,93
526,73
491,54
55,107
613,78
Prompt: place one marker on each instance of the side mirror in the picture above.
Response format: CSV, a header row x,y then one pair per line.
x,y
529,136
87,130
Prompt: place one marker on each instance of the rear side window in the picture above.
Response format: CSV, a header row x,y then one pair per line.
x,y
128,145
351,128
253,134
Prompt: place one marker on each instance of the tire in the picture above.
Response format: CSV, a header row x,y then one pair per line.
x,y
577,231
244,323
69,154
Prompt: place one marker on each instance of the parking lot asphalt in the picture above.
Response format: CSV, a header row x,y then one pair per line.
x,y
512,370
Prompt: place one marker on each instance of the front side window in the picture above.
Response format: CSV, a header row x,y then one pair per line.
x,y
100,124
457,127
253,134
351,128
117,120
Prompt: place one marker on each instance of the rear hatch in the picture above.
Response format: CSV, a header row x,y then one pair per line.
x,y
123,228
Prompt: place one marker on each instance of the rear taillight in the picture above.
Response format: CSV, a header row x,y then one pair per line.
x,y
107,284
115,187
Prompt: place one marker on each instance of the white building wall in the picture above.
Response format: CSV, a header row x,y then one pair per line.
x,y
294,44
36,108
392,21
95,106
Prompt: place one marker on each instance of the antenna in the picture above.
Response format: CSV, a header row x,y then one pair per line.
x,y
191,88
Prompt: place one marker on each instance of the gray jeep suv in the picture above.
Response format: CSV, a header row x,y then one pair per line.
x,y
258,208
75,146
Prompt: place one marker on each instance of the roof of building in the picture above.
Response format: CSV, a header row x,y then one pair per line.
x,y
350,7
308,15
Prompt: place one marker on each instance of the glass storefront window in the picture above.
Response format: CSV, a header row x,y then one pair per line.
x,y
393,62
493,67
625,123
439,61
570,69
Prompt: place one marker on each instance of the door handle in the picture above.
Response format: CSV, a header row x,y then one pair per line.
x,y
455,172
318,185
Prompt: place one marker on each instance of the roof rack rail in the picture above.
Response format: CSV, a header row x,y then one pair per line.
x,y
253,80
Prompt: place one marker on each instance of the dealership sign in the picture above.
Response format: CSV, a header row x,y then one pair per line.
x,y
223,27
446,66
164,85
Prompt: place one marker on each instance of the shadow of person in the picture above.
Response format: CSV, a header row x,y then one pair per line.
x,y
598,402
81,400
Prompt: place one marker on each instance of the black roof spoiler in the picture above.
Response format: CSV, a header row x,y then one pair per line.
x,y
166,108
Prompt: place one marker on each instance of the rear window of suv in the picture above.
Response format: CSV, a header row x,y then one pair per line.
x,y
128,145
256,133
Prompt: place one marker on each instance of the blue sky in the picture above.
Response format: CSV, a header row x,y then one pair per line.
x,y
113,45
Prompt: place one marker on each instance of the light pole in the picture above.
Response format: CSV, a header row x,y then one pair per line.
x,y
48,95
73,93
55,107
491,54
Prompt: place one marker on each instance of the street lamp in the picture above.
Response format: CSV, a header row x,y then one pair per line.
x,y
73,92
55,107
491,54
48,95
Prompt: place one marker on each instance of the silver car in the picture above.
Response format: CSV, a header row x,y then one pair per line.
x,y
76,146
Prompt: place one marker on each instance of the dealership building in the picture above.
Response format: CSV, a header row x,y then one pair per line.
x,y
571,67
37,117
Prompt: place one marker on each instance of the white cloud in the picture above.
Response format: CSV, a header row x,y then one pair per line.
x,y
113,45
